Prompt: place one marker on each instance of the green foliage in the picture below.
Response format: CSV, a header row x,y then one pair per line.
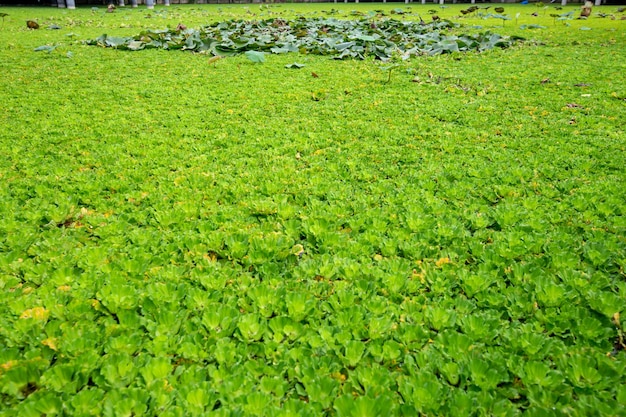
x,y
181,236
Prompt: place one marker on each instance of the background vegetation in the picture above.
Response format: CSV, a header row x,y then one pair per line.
x,y
180,234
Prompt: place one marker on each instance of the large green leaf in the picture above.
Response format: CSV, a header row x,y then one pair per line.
x,y
255,56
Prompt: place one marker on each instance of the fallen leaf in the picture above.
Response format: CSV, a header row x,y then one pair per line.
x,y
255,56
46,48
295,65
214,59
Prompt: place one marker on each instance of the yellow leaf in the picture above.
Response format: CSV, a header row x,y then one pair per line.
x,y
37,313
443,261
167,386
8,365
50,342
210,256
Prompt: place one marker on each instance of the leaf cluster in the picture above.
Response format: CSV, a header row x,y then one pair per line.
x,y
339,39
